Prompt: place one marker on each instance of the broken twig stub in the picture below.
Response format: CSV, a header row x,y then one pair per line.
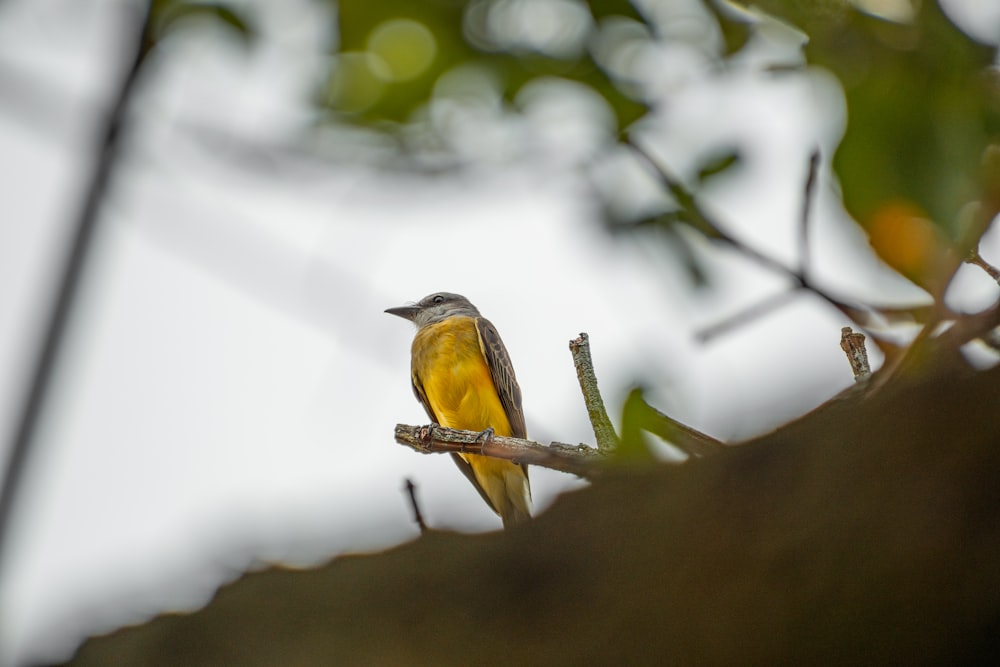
x,y
604,431
853,345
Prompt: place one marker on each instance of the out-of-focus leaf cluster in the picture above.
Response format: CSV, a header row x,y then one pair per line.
x,y
922,110
922,107
393,56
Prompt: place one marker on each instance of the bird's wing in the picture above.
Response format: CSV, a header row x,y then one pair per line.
x,y
503,375
504,380
418,390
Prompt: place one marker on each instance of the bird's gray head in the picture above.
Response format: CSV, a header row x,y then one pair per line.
x,y
436,307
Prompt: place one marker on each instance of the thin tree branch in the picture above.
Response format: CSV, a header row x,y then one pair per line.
x,y
929,345
604,431
702,221
77,253
749,314
970,327
699,218
807,198
581,460
976,259
411,492
928,349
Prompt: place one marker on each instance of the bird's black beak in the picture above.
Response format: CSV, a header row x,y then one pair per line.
x,y
406,312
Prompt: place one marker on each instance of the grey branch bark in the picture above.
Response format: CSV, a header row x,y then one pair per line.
x,y
604,431
581,460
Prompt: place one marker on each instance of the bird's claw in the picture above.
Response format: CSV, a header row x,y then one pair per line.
x,y
485,436
427,435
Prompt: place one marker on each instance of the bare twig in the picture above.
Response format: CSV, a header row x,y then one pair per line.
x,y
411,492
702,221
698,217
603,429
970,327
928,348
930,345
78,250
976,259
749,314
853,345
807,197
581,460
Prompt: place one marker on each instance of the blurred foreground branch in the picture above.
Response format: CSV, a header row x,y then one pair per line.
x,y
690,561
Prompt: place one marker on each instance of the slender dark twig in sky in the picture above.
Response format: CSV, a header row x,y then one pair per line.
x,y
60,310
807,198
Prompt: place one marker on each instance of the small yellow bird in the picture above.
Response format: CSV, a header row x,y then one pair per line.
x,y
463,377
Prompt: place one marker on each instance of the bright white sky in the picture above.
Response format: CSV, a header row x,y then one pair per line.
x,y
231,384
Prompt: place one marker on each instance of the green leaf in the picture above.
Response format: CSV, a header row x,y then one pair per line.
x,y
604,8
717,164
633,447
735,24
680,245
919,113
169,15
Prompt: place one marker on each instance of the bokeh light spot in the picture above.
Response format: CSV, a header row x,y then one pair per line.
x,y
406,46
356,83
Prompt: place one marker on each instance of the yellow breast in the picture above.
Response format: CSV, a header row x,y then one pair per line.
x,y
449,363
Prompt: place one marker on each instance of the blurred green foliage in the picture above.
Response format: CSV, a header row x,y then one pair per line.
x,y
636,420
362,88
921,110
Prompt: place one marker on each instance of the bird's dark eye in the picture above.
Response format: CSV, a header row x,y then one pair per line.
x,y
438,299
